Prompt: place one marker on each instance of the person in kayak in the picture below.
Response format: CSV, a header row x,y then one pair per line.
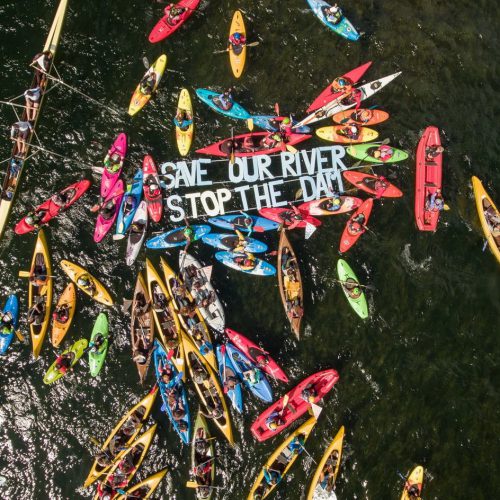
x,y
296,446
230,382
108,210
6,323
247,145
129,204
148,83
493,220
199,374
225,100
309,394
435,201
32,99
333,14
333,203
247,223
378,184
246,262
431,152
237,41
61,313
86,284
362,116
240,244
64,362
41,63
183,119
174,14
113,162
19,133
97,343
292,217
36,312
352,288
383,153
252,376
271,476
329,469
352,131
357,224
35,218
270,141
214,408
274,421
342,84
285,127
413,491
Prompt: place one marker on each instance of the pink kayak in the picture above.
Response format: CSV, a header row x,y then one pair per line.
x,y
108,211
289,217
111,173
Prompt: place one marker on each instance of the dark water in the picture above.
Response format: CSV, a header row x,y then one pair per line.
x,y
418,379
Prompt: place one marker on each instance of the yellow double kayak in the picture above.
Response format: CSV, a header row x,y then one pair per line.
x,y
414,482
237,54
59,328
146,488
184,138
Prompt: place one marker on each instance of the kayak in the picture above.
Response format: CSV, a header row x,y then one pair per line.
x,y
153,196
204,294
99,294
141,410
126,212
223,148
226,370
173,388
111,174
77,350
176,238
322,382
349,237
428,180
96,359
208,387
329,94
146,488
137,233
372,184
261,267
227,241
139,100
364,152
373,116
59,328
237,53
290,284
244,222
12,308
256,354
281,460
211,99
333,133
331,460
270,123
486,211
165,27
288,217
323,206
40,291
203,450
49,209
184,138
103,225
416,479
356,298
344,27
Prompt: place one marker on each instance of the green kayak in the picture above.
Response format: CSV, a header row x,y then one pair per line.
x,y
76,350
365,152
97,355
354,293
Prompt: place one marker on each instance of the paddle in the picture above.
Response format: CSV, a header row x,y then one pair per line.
x,y
345,120
382,143
205,462
368,287
20,336
251,44
231,155
223,352
302,446
250,124
125,494
194,484
27,274
286,397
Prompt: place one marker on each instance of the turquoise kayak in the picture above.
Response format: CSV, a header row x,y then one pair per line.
x,y
261,267
267,122
244,222
96,358
176,238
12,309
129,205
77,350
227,241
344,27
211,99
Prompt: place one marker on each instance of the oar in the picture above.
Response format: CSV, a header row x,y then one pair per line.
x,y
369,287
302,446
285,404
194,484
27,274
251,44
231,155
205,462
382,143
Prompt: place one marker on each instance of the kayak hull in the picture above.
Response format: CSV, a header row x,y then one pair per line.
x,y
227,369
346,274
258,224
268,122
102,225
53,373
175,237
59,330
416,478
365,181
348,239
363,152
285,216
184,138
209,96
319,207
261,268
136,239
346,117
124,220
12,307
164,29
109,179
237,57
96,359
333,133
343,28
154,200
227,241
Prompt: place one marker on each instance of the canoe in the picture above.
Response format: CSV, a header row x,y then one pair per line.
x,y
11,307
199,456
364,152
256,354
142,410
111,174
59,329
415,479
343,28
373,116
137,233
373,184
271,123
40,290
238,53
139,100
356,300
322,382
331,460
222,148
153,197
74,271
96,359
176,238
164,28
227,241
486,209
209,390
211,99
184,138
281,460
141,327
49,209
290,284
146,488
176,388
288,217
323,206
349,237
428,179
333,133
102,225
261,267
77,350
126,213
202,290
226,370
243,222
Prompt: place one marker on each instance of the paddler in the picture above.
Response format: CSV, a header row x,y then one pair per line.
x,y
19,132
154,190
42,62
35,218
333,14
247,146
329,469
174,13
246,262
148,83
61,313
270,141
247,223
274,420
129,204
297,444
413,491
342,84
309,394
86,283
237,41
383,153
183,119
62,198
493,221
108,210
351,131
6,324
97,343
357,223
32,97
380,185
352,289
435,201
333,203
252,376
215,409
272,477
240,244
285,127
230,382
63,362
292,217
199,374
362,115
432,151
225,100
113,162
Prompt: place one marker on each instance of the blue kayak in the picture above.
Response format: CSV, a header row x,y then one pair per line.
x,y
261,267
11,308
211,99
267,122
256,382
127,211
176,385
343,28
242,222
226,369
175,237
227,241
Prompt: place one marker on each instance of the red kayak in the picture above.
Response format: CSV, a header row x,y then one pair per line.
x,y
329,94
250,145
165,27
353,230
377,185
152,189
428,180
325,206
54,206
318,384
254,353
289,217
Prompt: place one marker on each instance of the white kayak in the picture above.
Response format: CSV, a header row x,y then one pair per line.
x,y
137,233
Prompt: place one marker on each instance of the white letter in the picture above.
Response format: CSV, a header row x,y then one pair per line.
x,y
223,195
241,164
263,161
174,203
202,171
310,180
274,194
192,198
287,159
241,190
264,197
210,195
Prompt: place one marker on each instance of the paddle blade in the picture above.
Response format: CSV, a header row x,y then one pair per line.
x,y
170,354
126,305
250,124
291,149
277,109
285,401
310,228
446,207
118,237
299,194
316,410
145,61
98,170
20,336
24,274
191,484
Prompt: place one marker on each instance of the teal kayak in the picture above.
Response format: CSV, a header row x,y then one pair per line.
x,y
211,99
97,357
343,27
76,350
351,289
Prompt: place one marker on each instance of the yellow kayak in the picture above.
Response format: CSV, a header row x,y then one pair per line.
x,y
139,100
146,488
328,469
280,461
238,56
487,211
59,329
98,293
415,480
40,291
185,137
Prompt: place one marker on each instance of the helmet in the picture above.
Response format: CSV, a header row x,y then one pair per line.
x,y
311,399
115,158
286,121
237,36
273,425
153,187
29,220
82,280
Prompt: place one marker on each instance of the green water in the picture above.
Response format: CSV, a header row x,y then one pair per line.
x,y
418,380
